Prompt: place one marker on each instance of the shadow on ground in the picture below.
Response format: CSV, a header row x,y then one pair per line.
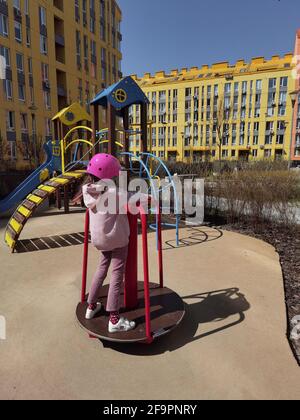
x,y
210,308
196,236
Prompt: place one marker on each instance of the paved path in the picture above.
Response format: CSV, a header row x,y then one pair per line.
x,y
232,343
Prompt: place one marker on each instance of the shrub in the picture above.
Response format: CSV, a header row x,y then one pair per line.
x,y
263,197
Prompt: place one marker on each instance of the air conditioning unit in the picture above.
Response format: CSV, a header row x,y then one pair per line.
x,y
262,147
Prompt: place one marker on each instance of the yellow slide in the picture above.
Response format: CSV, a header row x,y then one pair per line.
x,y
32,202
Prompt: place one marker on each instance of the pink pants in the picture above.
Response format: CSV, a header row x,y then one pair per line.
x,y
117,259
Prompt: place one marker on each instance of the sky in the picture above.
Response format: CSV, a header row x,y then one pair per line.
x,y
171,34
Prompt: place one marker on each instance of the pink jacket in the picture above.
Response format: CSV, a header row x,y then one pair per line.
x,y
108,231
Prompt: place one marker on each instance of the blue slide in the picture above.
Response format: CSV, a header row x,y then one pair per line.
x,y
30,183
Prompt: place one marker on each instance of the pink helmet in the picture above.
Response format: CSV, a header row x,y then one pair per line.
x,y
104,166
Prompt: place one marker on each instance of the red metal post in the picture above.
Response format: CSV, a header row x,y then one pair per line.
x,y
85,256
146,275
131,274
160,256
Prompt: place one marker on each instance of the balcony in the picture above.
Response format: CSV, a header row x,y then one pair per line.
x,y
59,4
60,40
61,91
3,8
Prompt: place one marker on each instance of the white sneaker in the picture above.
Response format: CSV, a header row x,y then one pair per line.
x,y
90,314
122,325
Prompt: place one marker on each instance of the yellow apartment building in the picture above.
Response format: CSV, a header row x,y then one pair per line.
x,y
54,52
223,111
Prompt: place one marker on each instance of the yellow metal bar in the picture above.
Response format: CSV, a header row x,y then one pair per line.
x,y
62,149
35,199
79,141
117,143
80,127
60,180
74,174
49,190
17,227
24,211
63,146
8,239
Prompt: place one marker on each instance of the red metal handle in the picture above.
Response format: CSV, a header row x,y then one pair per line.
x,y
85,256
131,274
146,275
160,256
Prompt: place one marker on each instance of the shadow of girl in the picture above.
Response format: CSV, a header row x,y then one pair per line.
x,y
207,308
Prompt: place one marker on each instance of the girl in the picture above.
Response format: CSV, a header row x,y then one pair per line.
x,y
110,235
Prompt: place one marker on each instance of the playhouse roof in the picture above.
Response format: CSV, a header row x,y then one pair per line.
x,y
72,115
122,94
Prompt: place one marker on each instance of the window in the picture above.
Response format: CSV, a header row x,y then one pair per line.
x,y
10,121
188,92
5,52
227,88
224,154
18,31
28,37
48,127
78,50
30,65
8,89
258,85
21,90
20,63
282,103
84,12
283,82
86,52
24,123
255,153
26,7
272,83
43,45
77,11
268,153
92,16
3,25
244,87
12,150
43,16
47,99
17,5
45,72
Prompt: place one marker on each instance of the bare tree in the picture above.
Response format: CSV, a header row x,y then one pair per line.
x,y
32,150
220,121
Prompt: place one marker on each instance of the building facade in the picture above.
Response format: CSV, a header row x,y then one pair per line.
x,y
55,52
295,144
228,112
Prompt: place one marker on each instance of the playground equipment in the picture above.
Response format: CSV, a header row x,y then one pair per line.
x,y
64,167
156,309
29,184
117,100
50,177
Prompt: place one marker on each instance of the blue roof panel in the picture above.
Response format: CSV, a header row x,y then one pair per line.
x,y
122,94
